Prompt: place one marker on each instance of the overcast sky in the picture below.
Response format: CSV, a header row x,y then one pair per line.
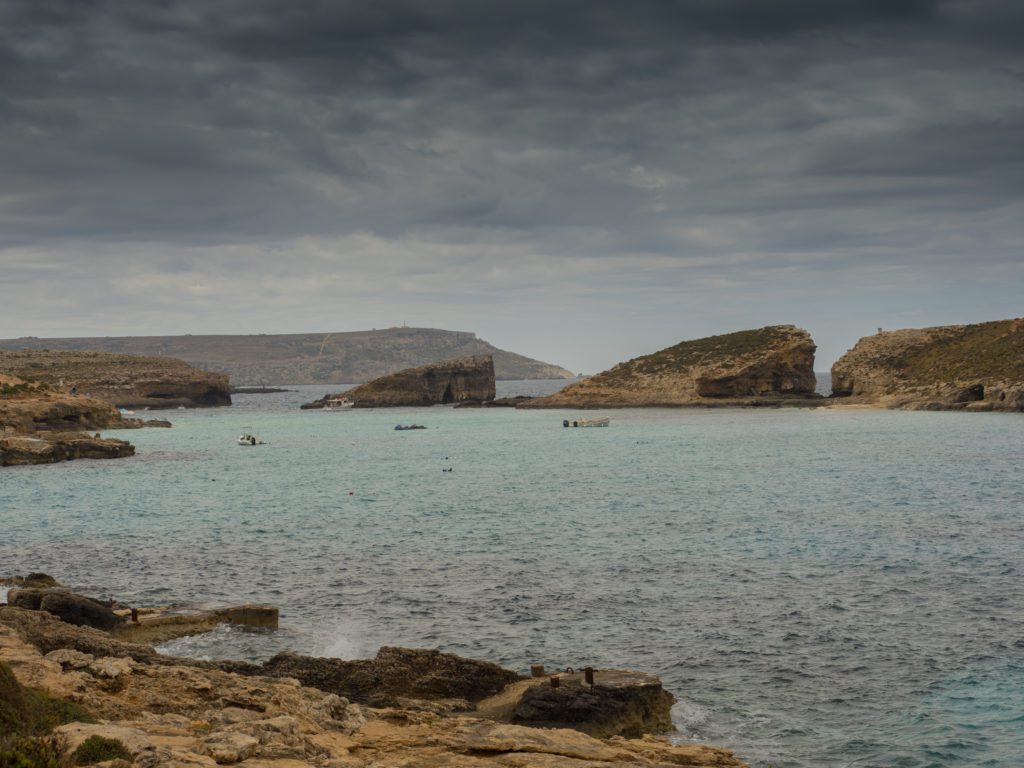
x,y
579,181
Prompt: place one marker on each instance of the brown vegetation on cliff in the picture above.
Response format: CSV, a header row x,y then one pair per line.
x,y
972,367
767,366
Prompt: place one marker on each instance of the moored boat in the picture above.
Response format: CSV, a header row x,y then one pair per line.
x,y
599,421
248,437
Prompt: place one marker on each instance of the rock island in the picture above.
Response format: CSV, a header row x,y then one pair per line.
x,y
462,380
769,366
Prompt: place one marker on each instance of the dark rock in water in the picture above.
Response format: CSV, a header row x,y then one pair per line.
x,y
40,580
51,447
444,383
31,581
78,610
30,598
620,703
395,672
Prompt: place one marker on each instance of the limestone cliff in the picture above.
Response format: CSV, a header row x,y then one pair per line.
x,y
971,367
768,366
449,381
128,381
40,424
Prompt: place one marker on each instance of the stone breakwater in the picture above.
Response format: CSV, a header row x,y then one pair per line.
x,y
404,708
462,380
769,366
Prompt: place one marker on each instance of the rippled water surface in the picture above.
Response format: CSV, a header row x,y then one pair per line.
x,y
819,588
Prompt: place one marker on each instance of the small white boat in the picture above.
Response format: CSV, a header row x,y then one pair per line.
x,y
126,412
248,437
600,421
337,403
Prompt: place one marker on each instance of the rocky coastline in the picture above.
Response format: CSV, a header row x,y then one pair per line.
x,y
405,707
125,381
766,367
40,424
950,368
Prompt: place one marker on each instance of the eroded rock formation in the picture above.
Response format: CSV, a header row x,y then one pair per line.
x,y
40,424
955,367
127,381
767,366
463,379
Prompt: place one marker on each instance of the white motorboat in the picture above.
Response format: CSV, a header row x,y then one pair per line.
x,y
337,403
600,421
248,437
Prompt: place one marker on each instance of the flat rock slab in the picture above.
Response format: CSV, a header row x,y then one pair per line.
x,y
619,703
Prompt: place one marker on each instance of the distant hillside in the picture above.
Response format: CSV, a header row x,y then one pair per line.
x,y
310,358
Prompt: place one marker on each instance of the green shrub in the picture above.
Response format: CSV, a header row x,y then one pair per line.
x,y
28,752
99,749
27,712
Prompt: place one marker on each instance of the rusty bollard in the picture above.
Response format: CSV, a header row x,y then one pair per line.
x,y
588,675
537,670
555,682
135,615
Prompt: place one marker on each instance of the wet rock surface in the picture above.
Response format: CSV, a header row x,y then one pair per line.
x,y
619,703
395,673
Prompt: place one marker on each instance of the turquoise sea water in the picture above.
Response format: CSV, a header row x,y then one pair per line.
x,y
819,588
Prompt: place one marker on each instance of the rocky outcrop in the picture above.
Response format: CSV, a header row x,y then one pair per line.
x,y
40,424
955,367
618,703
447,382
126,381
395,673
763,367
60,446
174,712
351,357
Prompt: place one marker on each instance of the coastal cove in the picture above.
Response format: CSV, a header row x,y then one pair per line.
x,y
819,587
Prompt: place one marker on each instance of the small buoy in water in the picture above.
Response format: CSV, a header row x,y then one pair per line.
x,y
351,493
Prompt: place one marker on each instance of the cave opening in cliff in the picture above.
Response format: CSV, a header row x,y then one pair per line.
x,y
447,398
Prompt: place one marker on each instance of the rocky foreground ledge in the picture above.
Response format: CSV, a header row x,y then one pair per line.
x,y
403,708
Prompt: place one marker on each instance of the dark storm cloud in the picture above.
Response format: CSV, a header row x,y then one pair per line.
x,y
725,138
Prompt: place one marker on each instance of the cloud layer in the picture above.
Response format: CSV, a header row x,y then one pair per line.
x,y
581,181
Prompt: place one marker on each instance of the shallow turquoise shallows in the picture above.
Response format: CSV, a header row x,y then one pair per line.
x,y
819,588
